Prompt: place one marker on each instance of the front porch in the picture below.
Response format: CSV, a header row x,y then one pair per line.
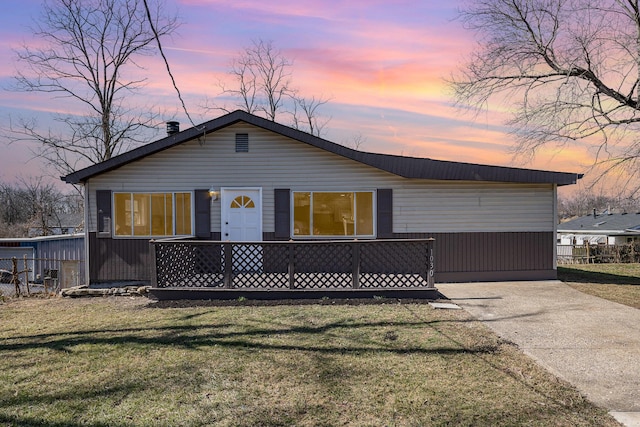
x,y
199,269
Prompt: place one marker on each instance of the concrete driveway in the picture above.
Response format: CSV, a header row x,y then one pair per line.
x,y
592,343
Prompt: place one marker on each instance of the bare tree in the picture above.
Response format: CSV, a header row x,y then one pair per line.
x,y
36,204
261,77
14,210
274,76
356,141
44,202
262,84
245,78
571,69
586,201
83,52
306,117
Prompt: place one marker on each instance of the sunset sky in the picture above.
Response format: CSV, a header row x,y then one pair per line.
x,y
381,64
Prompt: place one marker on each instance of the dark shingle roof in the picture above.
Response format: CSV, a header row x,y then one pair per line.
x,y
602,222
408,167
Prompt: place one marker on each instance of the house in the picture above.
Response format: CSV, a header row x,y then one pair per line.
x,y
70,223
240,177
605,228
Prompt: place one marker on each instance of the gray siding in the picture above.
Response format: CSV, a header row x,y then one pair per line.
x,y
18,252
277,162
52,251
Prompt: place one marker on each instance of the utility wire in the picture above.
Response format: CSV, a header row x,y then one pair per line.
x,y
166,62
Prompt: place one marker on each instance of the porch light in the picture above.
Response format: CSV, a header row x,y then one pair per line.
x,y
215,194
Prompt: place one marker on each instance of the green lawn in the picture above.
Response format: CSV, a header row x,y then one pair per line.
x,y
122,361
616,282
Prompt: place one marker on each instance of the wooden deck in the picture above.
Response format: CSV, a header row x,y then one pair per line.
x,y
188,269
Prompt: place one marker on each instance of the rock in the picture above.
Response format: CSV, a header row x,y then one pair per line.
x,y
143,290
83,291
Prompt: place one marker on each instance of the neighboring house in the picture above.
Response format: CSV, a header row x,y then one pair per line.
x,y
64,224
605,228
242,177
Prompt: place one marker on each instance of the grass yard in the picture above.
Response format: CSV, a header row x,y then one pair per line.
x,y
122,361
615,282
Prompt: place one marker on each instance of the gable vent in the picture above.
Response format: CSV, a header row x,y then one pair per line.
x,y
242,142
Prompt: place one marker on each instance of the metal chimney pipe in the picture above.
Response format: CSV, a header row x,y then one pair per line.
x,y
172,128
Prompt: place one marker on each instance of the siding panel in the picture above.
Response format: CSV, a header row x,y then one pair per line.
x,y
277,162
70,249
490,252
119,259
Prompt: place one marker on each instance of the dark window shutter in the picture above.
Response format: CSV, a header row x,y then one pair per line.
x,y
282,201
103,208
385,213
203,214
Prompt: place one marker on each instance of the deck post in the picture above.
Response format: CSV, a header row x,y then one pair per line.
x,y
355,259
291,268
228,265
430,265
154,264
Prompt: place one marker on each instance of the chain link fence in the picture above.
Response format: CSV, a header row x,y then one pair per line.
x,y
25,276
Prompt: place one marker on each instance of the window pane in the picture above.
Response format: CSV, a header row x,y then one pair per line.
x,y
364,213
183,213
187,216
333,214
301,214
141,214
122,214
158,214
168,209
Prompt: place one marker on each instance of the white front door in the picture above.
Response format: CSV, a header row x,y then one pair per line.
x,y
241,214
242,222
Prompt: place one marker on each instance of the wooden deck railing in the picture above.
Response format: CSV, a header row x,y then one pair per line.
x,y
299,265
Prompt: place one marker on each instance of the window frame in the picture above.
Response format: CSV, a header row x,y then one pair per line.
x,y
374,216
174,214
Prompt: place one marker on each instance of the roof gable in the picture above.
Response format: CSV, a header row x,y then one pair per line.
x,y
407,167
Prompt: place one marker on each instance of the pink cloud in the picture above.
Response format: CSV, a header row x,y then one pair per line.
x,y
382,65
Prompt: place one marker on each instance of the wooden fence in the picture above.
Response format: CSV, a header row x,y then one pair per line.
x,y
294,265
598,254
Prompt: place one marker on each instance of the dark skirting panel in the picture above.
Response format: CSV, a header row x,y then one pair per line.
x,y
485,257
119,260
459,257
